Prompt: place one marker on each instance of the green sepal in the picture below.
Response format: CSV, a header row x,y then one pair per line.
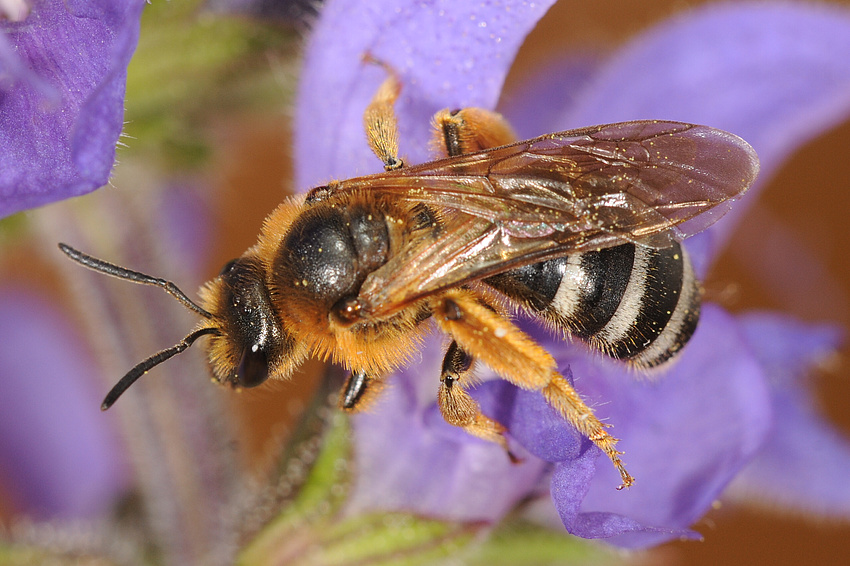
x,y
375,539
520,542
387,539
318,499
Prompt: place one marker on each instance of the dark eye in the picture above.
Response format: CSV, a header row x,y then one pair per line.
x,y
228,266
318,194
253,368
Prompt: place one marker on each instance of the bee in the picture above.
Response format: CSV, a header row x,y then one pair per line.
x,y
579,229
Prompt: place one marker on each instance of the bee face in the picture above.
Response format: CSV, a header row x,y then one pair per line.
x,y
252,344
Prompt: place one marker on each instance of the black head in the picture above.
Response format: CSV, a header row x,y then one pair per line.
x,y
252,344
247,343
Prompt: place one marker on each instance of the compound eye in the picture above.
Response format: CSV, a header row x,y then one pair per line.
x,y
227,266
253,368
318,194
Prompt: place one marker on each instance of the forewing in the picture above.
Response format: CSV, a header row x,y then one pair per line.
x,y
632,179
465,248
646,182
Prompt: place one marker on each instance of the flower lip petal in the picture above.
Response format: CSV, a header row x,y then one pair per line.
x,y
62,108
448,54
685,435
718,406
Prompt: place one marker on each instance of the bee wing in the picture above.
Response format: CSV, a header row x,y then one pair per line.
x,y
465,248
646,182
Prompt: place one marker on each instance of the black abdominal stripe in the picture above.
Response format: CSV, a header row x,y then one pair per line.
x,y
631,301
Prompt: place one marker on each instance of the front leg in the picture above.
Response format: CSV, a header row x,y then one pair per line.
x,y
359,390
380,120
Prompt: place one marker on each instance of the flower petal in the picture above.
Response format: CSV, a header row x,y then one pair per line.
x,y
409,459
62,103
803,464
531,421
447,54
58,456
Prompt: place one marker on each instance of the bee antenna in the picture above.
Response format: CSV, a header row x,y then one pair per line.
x,y
134,276
142,368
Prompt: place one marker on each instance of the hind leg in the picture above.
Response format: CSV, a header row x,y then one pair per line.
x,y
517,358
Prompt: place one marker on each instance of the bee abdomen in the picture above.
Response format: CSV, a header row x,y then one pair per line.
x,y
630,301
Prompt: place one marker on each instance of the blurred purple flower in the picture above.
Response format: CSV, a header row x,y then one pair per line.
x,y
63,70
767,72
804,461
59,459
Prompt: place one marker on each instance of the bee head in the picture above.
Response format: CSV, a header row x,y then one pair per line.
x,y
251,344
247,342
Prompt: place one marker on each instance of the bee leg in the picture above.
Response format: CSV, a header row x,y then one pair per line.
x,y
380,120
458,407
470,129
517,358
359,390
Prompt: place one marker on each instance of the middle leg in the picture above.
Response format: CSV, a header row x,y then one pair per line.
x,y
458,407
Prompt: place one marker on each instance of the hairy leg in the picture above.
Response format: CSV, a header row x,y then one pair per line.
x,y
458,407
380,120
513,355
470,129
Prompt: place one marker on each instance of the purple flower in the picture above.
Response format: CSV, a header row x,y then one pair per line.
x,y
58,457
789,470
767,72
62,76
